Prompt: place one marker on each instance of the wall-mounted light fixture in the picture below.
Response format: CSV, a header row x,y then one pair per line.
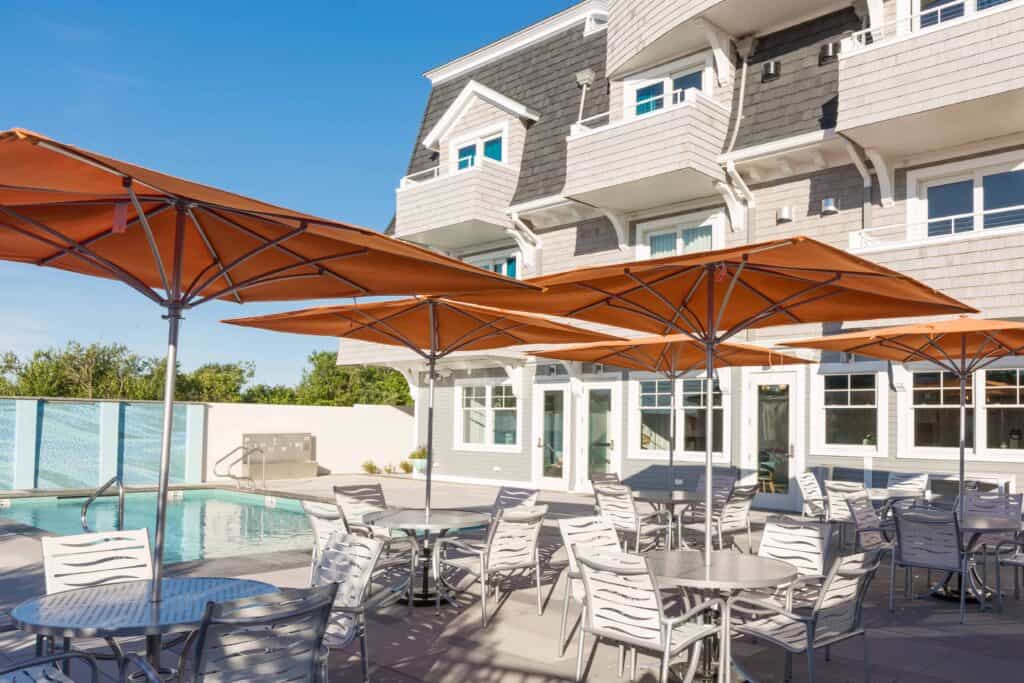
x,y
829,53
771,70
784,214
584,79
829,206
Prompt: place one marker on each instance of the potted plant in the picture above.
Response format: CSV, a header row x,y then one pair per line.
x,y
418,458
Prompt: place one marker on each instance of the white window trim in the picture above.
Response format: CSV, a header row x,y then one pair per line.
x,y
486,258
818,445
477,137
665,73
489,383
644,230
919,180
980,453
633,450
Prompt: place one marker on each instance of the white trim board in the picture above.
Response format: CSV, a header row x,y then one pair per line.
x,y
461,104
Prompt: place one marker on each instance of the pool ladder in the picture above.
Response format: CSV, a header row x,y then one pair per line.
x,y
113,481
226,471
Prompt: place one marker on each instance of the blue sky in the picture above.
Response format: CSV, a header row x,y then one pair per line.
x,y
313,105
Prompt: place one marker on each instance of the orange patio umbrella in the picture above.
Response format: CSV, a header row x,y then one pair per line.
x,y
432,328
182,244
672,356
712,296
959,346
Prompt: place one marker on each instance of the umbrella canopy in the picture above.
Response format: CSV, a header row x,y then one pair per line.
x,y
959,346
712,296
431,327
181,244
672,356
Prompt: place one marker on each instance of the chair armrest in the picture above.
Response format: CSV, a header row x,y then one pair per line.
x,y
401,544
763,606
133,660
659,516
458,544
706,606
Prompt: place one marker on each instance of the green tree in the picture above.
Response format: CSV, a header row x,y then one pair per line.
x,y
266,393
325,383
215,382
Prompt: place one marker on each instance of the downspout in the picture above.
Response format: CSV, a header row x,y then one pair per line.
x,y
744,48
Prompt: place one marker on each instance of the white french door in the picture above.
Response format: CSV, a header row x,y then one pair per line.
x,y
552,431
598,442
773,435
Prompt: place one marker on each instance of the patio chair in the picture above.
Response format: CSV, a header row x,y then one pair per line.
x,y
511,547
999,503
836,615
615,503
93,559
721,487
624,606
354,502
927,539
911,483
838,511
733,519
593,534
325,521
510,497
1009,554
367,581
272,637
802,543
53,668
604,478
814,504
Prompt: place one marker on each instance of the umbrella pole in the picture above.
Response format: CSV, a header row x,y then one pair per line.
x,y
709,418
170,377
432,361
963,419
672,435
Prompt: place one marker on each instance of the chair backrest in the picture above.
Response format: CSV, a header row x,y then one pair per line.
x,y
593,534
909,482
736,511
928,538
94,559
623,602
325,521
615,503
357,500
800,542
813,498
512,541
836,493
721,487
510,497
993,502
273,637
838,609
604,478
866,520
349,561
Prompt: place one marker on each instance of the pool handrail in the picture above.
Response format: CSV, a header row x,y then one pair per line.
x,y
115,480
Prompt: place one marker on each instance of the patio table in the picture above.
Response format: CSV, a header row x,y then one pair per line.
x,y
728,572
668,499
974,525
121,610
415,523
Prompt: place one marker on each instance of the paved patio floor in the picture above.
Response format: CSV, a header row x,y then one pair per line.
x,y
922,641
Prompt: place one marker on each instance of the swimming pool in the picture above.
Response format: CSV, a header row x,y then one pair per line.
x,y
202,524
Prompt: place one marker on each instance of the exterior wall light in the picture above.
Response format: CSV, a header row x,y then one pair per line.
x,y
771,70
829,206
784,214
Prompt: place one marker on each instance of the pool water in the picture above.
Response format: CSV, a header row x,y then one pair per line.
x,y
200,525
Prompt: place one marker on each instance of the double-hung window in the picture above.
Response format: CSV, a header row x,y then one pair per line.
x,y
683,82
936,405
650,98
695,415
666,86
680,240
488,146
851,410
504,263
489,416
973,200
467,157
655,414
1004,408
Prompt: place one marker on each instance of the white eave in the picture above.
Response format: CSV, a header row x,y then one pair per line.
x,y
518,40
474,89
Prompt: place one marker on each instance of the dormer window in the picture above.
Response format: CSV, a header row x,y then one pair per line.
x,y
467,157
466,151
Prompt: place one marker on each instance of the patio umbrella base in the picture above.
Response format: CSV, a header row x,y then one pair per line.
x,y
950,592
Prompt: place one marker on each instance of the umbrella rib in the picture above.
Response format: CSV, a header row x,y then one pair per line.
x,y
451,348
141,215
630,307
362,325
89,241
193,288
768,299
213,252
979,358
283,249
390,332
693,292
781,305
81,252
676,310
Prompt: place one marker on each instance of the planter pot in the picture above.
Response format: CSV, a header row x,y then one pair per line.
x,y
419,466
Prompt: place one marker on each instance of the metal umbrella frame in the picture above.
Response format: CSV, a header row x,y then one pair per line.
x,y
397,323
55,201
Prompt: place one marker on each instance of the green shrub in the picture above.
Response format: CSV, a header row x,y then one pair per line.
x,y
419,454
405,466
370,467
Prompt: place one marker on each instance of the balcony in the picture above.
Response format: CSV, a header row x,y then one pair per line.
x,y
643,33
454,209
660,158
948,76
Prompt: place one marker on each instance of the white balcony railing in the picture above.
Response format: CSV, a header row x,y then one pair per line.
x,y
421,176
936,230
923,20
656,106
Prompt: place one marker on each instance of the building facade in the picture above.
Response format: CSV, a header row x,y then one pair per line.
x,y
619,130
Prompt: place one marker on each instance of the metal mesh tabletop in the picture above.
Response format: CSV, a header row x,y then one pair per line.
x,y
125,609
728,571
415,519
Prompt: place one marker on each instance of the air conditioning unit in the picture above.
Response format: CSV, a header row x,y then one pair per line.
x,y
829,206
829,53
771,70
784,214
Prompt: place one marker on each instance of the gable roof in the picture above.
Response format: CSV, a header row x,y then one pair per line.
x,y
462,102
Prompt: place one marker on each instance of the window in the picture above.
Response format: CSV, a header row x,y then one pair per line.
x,y
467,157
682,83
680,241
695,415
492,148
970,198
504,263
851,412
489,416
655,415
945,10
936,405
1004,408
650,98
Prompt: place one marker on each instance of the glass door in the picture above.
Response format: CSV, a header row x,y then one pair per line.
x,y
775,449
551,427
600,441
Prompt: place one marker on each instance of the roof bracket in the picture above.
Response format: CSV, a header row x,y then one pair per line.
x,y
527,240
621,225
721,48
884,171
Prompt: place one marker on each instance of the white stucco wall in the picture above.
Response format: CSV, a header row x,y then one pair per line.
x,y
345,437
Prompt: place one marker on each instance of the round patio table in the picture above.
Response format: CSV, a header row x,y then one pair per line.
x,y
728,572
668,498
415,523
119,610
975,525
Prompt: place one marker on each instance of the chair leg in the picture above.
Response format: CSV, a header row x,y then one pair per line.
x,y
579,656
483,597
632,667
963,590
1016,583
787,671
828,653
540,599
999,584
565,615
810,665
867,662
364,654
663,675
622,660
892,584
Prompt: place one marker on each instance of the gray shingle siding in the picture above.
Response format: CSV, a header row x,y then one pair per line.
x,y
804,97
542,77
